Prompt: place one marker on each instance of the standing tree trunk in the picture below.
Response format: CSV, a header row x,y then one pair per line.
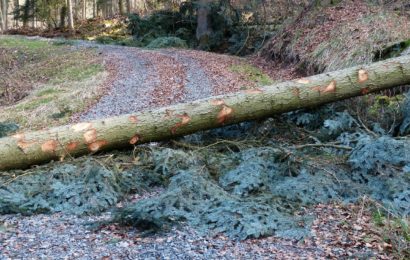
x,y
203,30
29,148
70,15
128,6
84,9
4,15
94,8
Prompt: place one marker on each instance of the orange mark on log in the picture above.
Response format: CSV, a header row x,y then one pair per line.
x,y
362,76
81,127
224,114
303,81
296,92
90,136
217,102
97,145
253,91
331,87
135,139
71,146
133,119
185,119
364,91
49,146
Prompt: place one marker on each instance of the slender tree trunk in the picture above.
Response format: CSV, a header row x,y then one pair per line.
x,y
4,15
84,9
203,29
94,8
128,6
70,15
30,148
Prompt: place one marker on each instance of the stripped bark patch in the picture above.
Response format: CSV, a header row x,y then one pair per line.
x,y
303,81
217,102
81,127
253,91
185,119
71,146
362,76
225,114
135,139
97,145
331,87
133,119
90,136
364,91
49,146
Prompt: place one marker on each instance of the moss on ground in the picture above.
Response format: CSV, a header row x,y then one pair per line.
x,y
252,74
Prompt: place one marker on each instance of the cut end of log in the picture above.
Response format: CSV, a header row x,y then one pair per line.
x,y
90,136
49,146
362,76
96,146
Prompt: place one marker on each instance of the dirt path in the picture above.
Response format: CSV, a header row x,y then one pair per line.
x,y
142,79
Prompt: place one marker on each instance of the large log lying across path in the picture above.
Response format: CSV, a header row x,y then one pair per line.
x,y
25,149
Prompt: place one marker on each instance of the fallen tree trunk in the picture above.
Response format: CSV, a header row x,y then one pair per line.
x,y
30,148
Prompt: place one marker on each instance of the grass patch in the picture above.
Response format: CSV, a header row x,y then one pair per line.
x,y
47,92
43,84
252,73
394,231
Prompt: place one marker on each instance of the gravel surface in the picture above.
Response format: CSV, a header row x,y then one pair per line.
x,y
60,236
143,79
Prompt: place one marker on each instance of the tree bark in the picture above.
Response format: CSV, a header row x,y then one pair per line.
x,y
70,15
4,15
25,149
203,30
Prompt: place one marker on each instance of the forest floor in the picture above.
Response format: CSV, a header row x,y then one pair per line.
x,y
137,79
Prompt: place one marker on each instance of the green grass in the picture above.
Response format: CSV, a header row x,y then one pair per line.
x,y
394,230
20,42
34,103
52,81
252,73
47,92
77,72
